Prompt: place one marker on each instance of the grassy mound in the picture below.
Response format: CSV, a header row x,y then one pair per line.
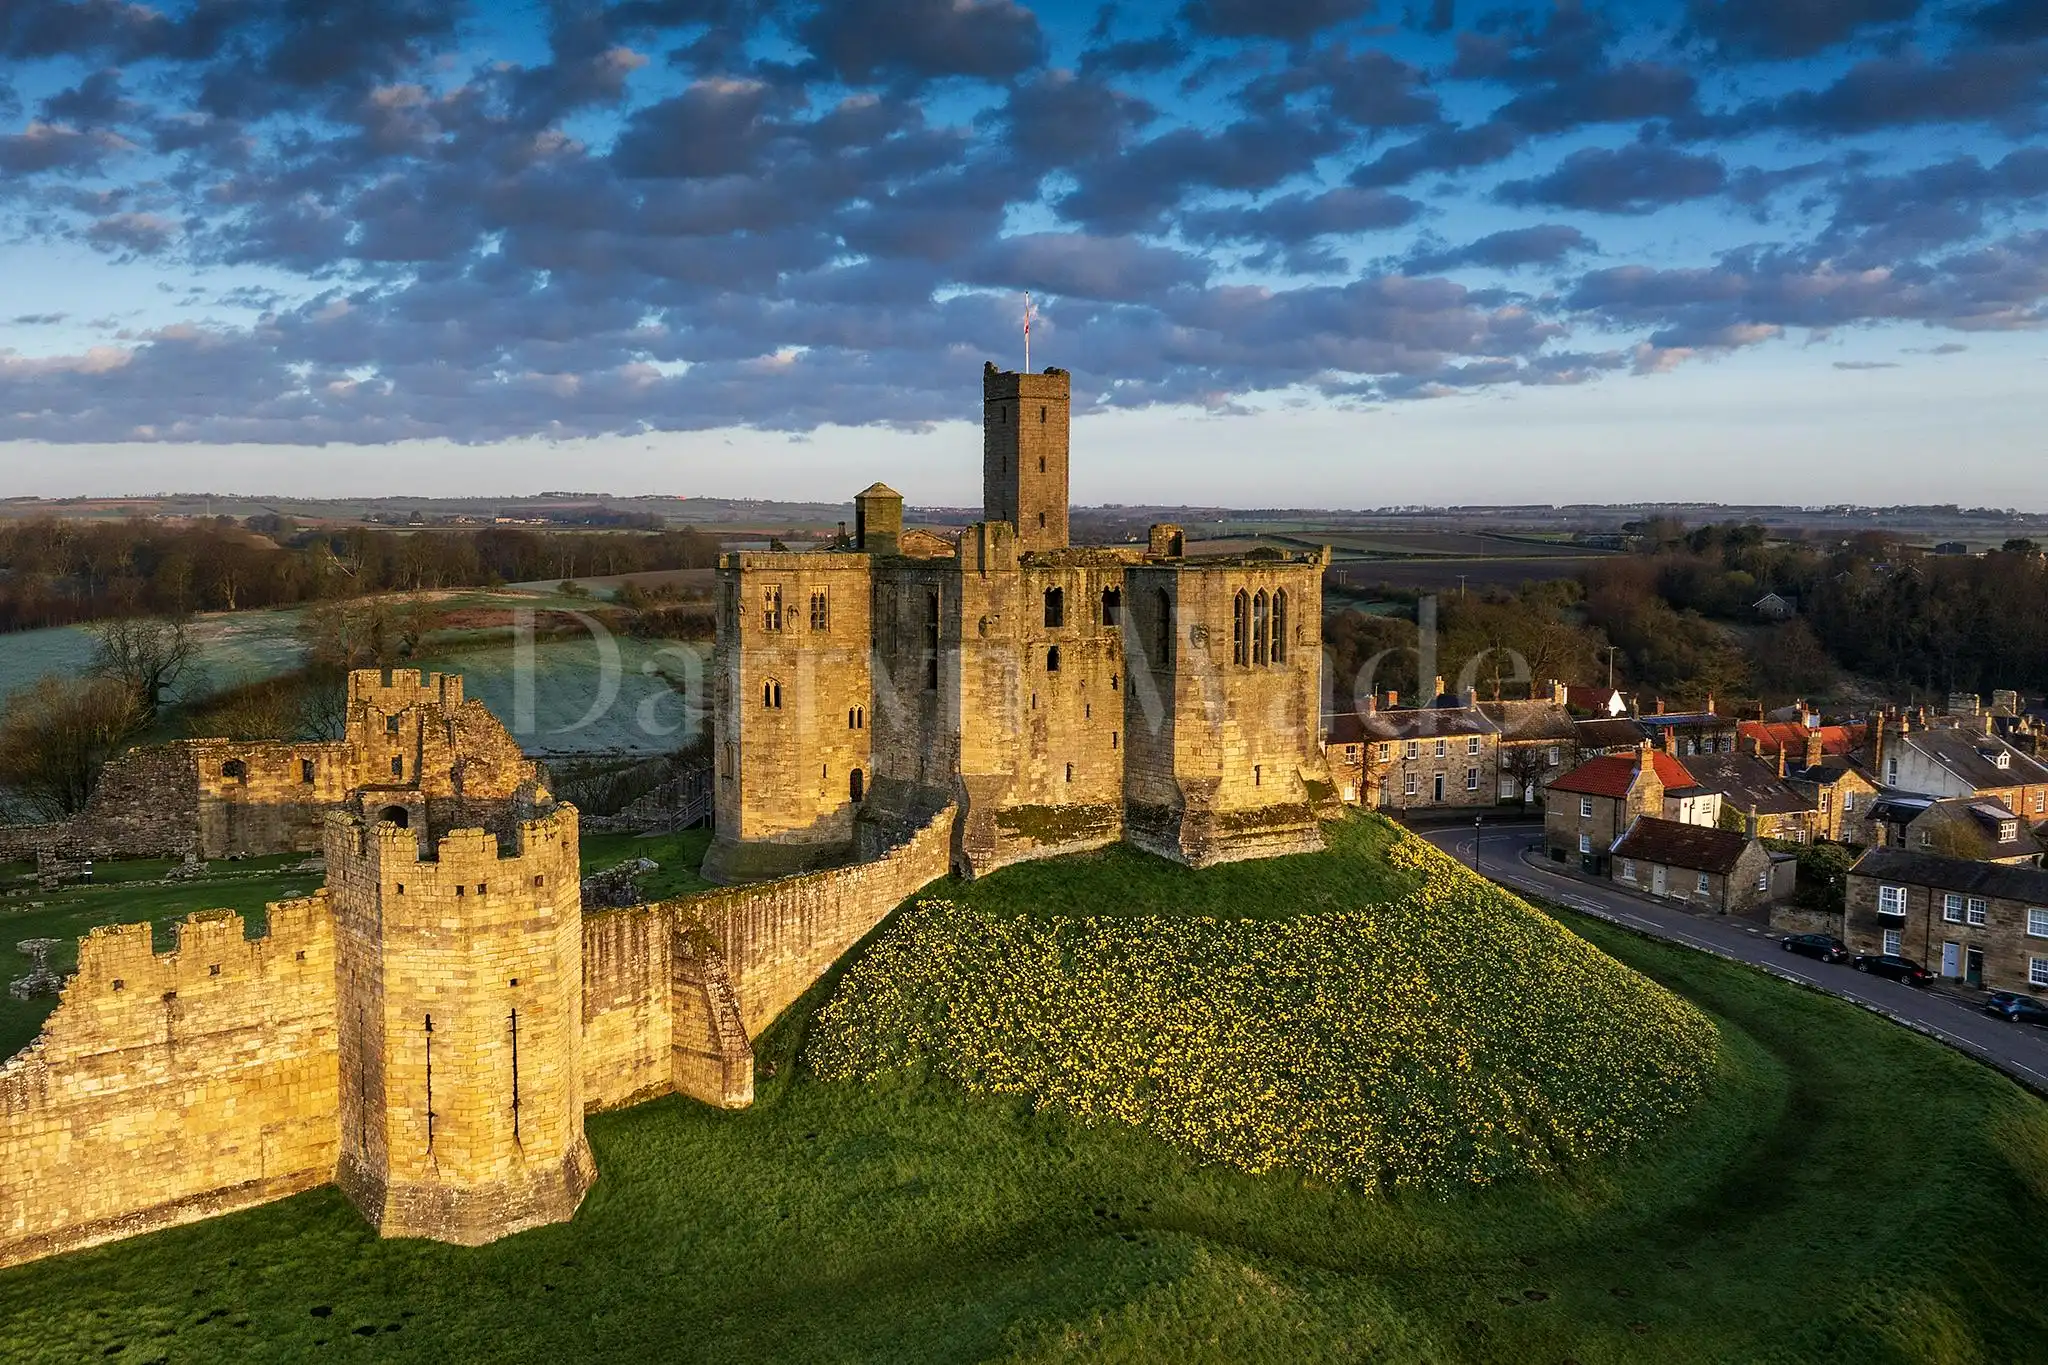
x,y
1453,1036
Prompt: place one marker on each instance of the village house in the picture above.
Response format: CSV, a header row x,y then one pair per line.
x,y
1983,831
1441,756
1538,742
1596,701
1683,734
1590,807
1716,869
1956,760
1982,923
1616,735
1758,790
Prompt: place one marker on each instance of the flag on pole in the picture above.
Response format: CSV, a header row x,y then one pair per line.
x,y
1027,331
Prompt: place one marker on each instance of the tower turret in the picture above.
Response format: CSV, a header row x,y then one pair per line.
x,y
460,1022
1024,422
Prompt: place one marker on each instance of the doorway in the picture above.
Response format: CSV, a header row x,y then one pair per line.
x,y
1951,959
1658,880
1973,966
1439,788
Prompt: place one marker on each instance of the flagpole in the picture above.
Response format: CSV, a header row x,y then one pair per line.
x,y
1027,331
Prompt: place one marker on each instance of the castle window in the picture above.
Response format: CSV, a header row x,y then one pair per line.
x,y
538,880
1163,644
395,815
1070,772
1115,683
1055,606
306,771
1112,606
1258,774
1041,521
401,888
1041,422
459,888
1052,659
481,889
1261,625
398,767
1112,739
931,642
1001,419
821,612
1280,627
391,725
235,769
1041,464
771,695
732,760
1241,628
856,785
857,718
771,608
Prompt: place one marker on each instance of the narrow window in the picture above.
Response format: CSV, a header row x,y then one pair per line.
x,y
857,718
821,612
1280,627
1055,606
1041,464
391,725
1041,422
1112,739
1112,606
1240,628
771,695
856,785
771,608
1041,521
398,767
1261,609
1070,772
1052,659
430,1082
1162,652
306,771
515,1075
1258,773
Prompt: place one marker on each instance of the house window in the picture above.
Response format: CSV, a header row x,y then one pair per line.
x,y
1414,750
1443,746
2037,971
1055,606
1848,802
1585,808
1628,869
1827,800
1386,751
1585,843
1472,745
1926,838
1980,910
1112,606
1891,900
771,608
2037,923
2041,803
1952,908
1261,622
1409,788
821,612
1471,779
2008,830
1553,757
1763,880
1280,627
1891,772
1241,628
1893,942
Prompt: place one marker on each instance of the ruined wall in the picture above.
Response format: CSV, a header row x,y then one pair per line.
x,y
266,798
918,667
628,1021
170,1088
792,696
775,939
146,806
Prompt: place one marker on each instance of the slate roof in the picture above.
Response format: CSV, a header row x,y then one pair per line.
x,y
1971,756
1954,874
1746,782
1422,722
1531,720
1592,698
1697,848
1619,733
1611,774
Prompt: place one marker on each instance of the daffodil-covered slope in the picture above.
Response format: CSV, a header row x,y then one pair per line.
x,y
1450,1036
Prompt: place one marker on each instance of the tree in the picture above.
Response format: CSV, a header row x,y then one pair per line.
x,y
57,734
146,656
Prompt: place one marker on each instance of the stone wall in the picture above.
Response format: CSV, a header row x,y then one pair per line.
x,y
167,1088
628,1021
146,806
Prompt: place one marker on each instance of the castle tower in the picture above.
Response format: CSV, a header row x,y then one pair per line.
x,y
878,519
1024,420
460,993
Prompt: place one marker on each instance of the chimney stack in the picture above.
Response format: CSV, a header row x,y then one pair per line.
x,y
1751,824
1813,748
1781,760
1439,690
1556,693
1472,697
1660,706
1877,744
1671,740
1393,699
1372,704
1756,746
1710,703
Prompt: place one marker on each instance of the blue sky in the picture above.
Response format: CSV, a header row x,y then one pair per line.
x,y
1305,252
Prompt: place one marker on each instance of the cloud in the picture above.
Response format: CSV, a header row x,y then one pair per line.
x,y
57,147
1295,218
1792,28
1131,191
1967,85
37,319
922,40
2012,21
1866,364
1366,88
1289,20
1441,149
1542,244
1055,118
1076,265
1638,178
142,233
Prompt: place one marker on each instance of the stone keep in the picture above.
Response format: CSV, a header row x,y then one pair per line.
x,y
459,1004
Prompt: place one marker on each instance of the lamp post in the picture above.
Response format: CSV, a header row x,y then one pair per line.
x,y
1475,843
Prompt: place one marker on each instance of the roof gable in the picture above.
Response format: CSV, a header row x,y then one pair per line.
x,y
1697,848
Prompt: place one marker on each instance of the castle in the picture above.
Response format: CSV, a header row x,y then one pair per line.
x,y
1061,697
429,1030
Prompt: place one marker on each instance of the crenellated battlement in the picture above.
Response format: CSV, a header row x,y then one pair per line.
x,y
392,690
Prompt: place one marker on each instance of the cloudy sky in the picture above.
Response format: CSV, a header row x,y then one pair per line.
x,y
1322,252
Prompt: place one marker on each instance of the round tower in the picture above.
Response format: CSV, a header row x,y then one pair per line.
x,y
460,1004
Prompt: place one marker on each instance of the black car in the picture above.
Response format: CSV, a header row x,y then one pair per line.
x,y
1825,947
1892,965
2019,1009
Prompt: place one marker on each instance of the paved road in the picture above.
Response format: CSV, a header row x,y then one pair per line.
x,y
2020,1050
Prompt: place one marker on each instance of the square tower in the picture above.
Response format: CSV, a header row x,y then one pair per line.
x,y
1024,454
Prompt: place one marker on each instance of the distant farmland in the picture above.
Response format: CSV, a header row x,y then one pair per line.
x,y
1367,577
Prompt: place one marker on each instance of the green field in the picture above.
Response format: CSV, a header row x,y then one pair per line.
x,y
1845,1191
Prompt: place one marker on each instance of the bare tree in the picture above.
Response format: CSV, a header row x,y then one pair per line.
x,y
145,655
57,734
1526,764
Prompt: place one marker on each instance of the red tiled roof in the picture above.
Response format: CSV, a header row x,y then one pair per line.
x,y
1610,774
1836,741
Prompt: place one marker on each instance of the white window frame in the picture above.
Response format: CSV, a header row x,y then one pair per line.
x,y
1472,745
1894,942
1979,912
1628,869
2037,922
1471,779
1414,784
1585,843
1951,908
1706,884
1555,756
2037,971
1443,747
1414,749
1585,808
1891,900
1763,880
1386,752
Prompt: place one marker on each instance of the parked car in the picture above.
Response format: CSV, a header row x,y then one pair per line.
x,y
2019,1009
1825,947
1892,965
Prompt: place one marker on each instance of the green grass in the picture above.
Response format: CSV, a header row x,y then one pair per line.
x,y
1848,1191
122,893
680,855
